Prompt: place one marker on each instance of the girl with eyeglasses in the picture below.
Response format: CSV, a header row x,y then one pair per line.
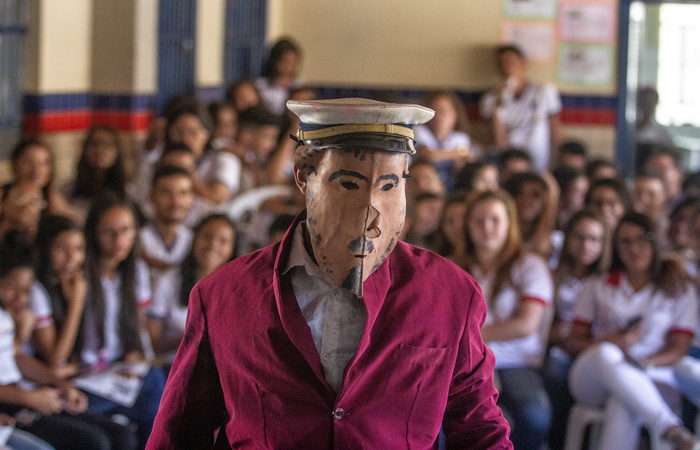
x,y
583,256
114,321
631,326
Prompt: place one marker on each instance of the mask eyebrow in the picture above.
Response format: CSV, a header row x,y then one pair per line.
x,y
348,173
391,177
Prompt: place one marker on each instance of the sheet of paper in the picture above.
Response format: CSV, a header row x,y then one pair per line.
x,y
587,22
120,382
536,39
530,9
585,64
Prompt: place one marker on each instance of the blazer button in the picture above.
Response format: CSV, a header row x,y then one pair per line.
x,y
338,413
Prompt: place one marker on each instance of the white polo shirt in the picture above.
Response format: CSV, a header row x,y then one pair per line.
x,y
565,299
526,119
609,303
111,344
155,247
166,304
532,282
9,372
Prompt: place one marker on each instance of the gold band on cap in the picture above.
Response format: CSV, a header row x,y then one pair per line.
x,y
355,128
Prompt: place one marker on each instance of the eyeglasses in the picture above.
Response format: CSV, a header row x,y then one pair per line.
x,y
639,240
112,233
587,237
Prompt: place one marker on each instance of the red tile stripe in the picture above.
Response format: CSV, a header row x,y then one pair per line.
x,y
78,120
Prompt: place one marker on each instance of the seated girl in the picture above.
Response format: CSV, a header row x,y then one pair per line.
x,y
33,164
444,141
212,246
518,289
631,326
114,316
584,255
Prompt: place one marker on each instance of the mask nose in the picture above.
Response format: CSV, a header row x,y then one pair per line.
x,y
372,223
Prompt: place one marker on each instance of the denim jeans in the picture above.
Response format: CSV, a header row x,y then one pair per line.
x,y
144,411
525,400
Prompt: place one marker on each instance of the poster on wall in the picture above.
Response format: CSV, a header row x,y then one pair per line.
x,y
587,22
586,64
536,39
530,9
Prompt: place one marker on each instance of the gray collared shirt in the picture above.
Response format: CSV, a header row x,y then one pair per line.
x,y
335,315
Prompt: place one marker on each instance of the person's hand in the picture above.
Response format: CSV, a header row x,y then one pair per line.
x,y
6,421
134,357
633,335
624,339
76,401
74,287
65,370
45,401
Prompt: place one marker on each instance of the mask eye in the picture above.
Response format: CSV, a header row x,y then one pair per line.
x,y
387,187
349,185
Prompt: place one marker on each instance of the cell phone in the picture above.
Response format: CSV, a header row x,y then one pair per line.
x,y
634,363
633,322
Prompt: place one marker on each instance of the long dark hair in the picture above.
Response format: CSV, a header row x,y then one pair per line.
x,y
50,227
280,48
87,184
189,266
17,252
669,275
128,310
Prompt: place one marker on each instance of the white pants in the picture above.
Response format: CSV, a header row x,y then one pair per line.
x,y
600,377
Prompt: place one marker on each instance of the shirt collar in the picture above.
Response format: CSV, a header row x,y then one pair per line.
x,y
299,257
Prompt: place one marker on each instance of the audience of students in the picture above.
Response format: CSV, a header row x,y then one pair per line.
x,y
609,316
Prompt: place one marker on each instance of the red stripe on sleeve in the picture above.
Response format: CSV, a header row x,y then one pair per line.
x,y
682,331
534,299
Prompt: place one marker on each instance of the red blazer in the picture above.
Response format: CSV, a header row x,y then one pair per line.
x,y
248,363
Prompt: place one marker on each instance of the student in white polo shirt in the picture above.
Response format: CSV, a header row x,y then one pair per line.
x,y
218,173
115,309
54,409
518,289
631,326
165,241
584,255
212,246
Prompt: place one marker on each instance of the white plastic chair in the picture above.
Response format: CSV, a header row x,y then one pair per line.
x,y
582,416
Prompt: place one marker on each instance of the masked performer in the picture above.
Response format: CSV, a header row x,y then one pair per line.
x,y
340,336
